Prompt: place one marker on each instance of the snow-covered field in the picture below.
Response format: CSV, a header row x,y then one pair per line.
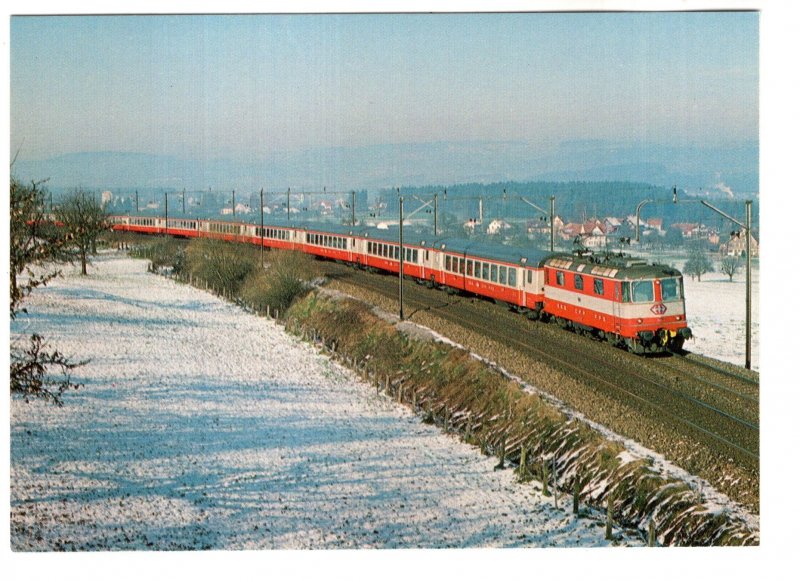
x,y
204,427
715,310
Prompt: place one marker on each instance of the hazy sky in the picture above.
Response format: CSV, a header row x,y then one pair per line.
x,y
248,86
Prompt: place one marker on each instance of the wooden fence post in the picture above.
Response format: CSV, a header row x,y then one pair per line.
x,y
576,491
522,464
609,516
555,482
502,464
651,534
545,478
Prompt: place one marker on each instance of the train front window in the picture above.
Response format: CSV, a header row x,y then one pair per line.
x,y
642,291
670,289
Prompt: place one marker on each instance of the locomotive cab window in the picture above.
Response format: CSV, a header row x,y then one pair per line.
x,y
642,291
578,282
671,289
559,278
598,286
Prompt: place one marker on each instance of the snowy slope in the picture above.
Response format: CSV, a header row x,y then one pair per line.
x,y
201,426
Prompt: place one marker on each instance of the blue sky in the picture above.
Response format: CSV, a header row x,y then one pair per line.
x,y
248,86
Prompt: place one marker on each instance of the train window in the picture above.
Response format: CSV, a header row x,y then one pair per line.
x,y
415,255
426,255
559,278
598,286
461,262
493,277
626,292
447,262
512,277
485,270
578,282
670,289
530,277
503,274
642,291
469,268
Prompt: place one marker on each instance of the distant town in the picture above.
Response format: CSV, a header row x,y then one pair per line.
x,y
475,217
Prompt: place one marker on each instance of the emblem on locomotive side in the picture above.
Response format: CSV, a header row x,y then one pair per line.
x,y
659,309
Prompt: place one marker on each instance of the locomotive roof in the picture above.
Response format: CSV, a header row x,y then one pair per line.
x,y
611,266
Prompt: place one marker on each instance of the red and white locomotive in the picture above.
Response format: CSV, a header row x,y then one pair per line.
x,y
621,299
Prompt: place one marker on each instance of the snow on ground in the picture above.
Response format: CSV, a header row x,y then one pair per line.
x,y
204,427
715,310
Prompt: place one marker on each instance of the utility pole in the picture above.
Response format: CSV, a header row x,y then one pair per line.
x,y
233,202
748,298
401,255
137,201
435,214
288,193
183,200
166,214
353,207
261,206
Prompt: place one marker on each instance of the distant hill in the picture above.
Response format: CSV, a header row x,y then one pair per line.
x,y
390,165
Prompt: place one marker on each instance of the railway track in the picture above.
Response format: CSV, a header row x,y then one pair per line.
x,y
720,414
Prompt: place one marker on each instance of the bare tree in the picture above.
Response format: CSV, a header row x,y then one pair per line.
x,y
698,263
36,246
729,265
83,219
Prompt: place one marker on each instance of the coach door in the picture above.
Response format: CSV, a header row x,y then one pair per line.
x,y
616,307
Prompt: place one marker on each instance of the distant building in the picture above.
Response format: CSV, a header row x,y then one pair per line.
x,y
687,230
737,246
470,224
592,233
612,224
543,226
496,226
656,224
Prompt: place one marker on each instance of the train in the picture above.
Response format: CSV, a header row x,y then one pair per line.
x,y
613,297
